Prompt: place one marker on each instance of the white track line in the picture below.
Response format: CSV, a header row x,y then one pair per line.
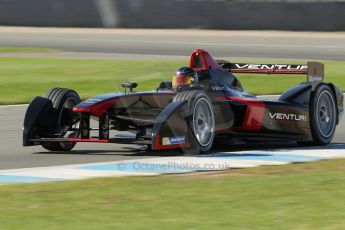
x,y
18,105
168,165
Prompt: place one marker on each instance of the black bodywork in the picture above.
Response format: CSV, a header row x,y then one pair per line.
x,y
160,122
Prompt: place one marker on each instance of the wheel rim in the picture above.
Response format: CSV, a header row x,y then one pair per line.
x,y
66,109
326,115
203,122
66,112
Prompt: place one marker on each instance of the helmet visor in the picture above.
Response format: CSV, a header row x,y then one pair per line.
x,y
181,80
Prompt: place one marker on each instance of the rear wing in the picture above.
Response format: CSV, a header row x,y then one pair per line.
x,y
313,70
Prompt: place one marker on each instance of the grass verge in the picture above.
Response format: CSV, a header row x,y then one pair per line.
x,y
301,196
23,78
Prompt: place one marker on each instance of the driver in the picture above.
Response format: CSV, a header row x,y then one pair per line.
x,y
184,76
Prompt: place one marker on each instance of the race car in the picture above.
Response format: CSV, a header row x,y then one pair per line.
x,y
203,102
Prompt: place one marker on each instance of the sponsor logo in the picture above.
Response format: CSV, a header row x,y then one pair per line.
x,y
288,116
125,136
315,78
173,140
271,66
91,101
217,88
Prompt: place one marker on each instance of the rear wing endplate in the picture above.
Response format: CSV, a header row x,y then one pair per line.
x,y
313,70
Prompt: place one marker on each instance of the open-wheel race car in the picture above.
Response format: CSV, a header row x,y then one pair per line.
x,y
203,102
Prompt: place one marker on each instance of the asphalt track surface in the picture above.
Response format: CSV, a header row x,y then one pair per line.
x,y
13,155
247,44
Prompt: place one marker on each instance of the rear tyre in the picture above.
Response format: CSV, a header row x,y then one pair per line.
x,y
323,116
63,101
200,119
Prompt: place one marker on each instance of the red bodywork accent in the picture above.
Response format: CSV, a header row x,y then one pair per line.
x,y
158,146
202,60
93,140
254,115
98,109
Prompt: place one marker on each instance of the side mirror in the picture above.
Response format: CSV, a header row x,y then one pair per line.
x,y
130,85
165,85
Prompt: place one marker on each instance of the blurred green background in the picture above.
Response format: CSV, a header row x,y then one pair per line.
x,y
23,78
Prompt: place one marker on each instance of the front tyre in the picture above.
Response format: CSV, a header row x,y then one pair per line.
x,y
63,101
200,119
323,115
